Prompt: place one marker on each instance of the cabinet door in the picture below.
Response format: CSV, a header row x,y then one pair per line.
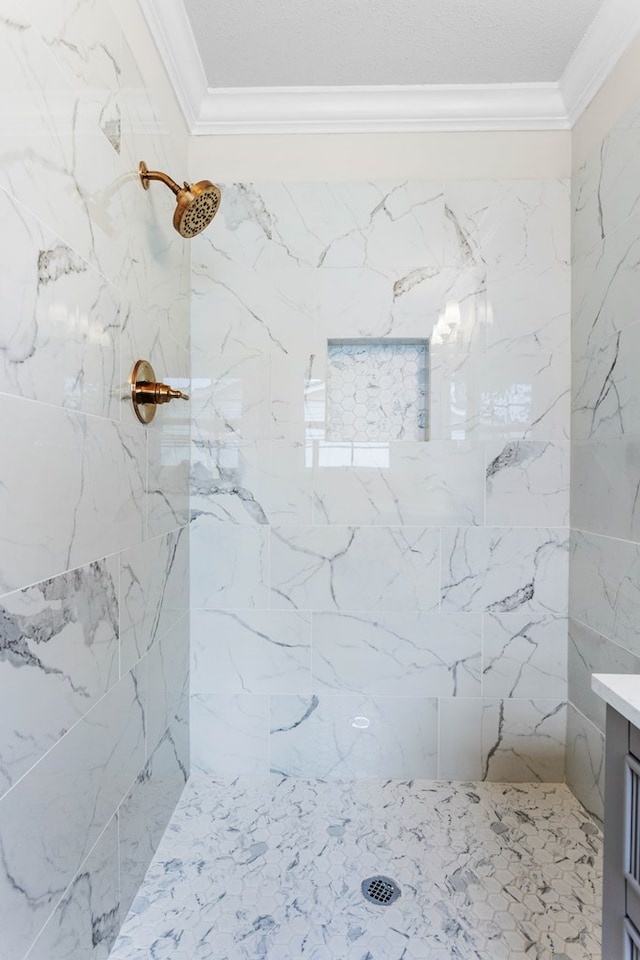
x,y
633,942
632,838
615,939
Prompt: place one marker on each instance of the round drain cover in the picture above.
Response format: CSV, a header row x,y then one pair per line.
x,y
380,890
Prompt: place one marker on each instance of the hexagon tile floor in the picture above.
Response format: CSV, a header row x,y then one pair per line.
x,y
271,870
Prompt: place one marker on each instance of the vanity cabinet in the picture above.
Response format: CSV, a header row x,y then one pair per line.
x,y
621,892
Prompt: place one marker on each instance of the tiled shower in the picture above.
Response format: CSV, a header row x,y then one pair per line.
x,y
367,603
373,474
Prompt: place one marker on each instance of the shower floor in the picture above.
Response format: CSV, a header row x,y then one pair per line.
x,y
252,869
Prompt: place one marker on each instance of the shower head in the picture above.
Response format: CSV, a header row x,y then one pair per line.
x,y
197,204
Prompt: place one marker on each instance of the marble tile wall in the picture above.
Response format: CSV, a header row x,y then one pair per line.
x,y
604,603
372,608
93,506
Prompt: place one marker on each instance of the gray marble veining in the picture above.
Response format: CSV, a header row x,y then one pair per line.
x,y
58,656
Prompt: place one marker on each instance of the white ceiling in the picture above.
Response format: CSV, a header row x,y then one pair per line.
x,y
275,43
338,66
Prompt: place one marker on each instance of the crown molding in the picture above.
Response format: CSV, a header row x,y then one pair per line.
x,y
448,107
382,109
616,25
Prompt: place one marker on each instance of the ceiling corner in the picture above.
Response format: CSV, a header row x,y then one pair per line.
x,y
615,26
171,30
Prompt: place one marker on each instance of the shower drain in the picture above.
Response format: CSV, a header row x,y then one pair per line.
x,y
380,890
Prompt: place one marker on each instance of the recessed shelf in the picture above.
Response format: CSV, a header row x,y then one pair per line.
x,y
377,390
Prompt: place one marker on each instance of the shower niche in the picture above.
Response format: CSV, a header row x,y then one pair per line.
x,y
377,390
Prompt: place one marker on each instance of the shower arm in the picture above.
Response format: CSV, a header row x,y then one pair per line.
x,y
147,175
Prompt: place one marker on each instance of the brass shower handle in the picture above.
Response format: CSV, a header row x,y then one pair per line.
x,y
157,393
147,393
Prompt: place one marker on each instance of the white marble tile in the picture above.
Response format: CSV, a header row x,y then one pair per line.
x,y
397,654
605,592
94,71
146,810
391,228
250,651
167,666
261,482
587,228
230,397
62,346
604,489
64,117
606,186
354,303
482,397
51,819
589,653
58,656
230,734
618,193
167,479
298,396
354,568
87,920
505,570
605,281
507,224
154,592
405,231
229,564
585,762
513,741
243,230
517,231
440,483
529,309
69,29
72,490
467,858
524,656
237,311
38,125
527,483
314,221
325,736
448,304
605,401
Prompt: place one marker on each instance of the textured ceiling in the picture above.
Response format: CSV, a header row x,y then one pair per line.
x,y
256,43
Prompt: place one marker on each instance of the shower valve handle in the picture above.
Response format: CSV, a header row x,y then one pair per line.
x,y
157,393
147,393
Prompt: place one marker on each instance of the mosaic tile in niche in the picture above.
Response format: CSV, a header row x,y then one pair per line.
x,y
377,390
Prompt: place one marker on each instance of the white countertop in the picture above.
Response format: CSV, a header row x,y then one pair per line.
x,y
621,691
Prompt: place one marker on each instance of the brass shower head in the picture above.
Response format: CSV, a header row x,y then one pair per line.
x,y
198,203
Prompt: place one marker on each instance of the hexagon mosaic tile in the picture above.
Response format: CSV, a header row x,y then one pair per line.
x,y
377,390
271,869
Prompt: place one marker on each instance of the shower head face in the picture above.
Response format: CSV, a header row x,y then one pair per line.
x,y
198,204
